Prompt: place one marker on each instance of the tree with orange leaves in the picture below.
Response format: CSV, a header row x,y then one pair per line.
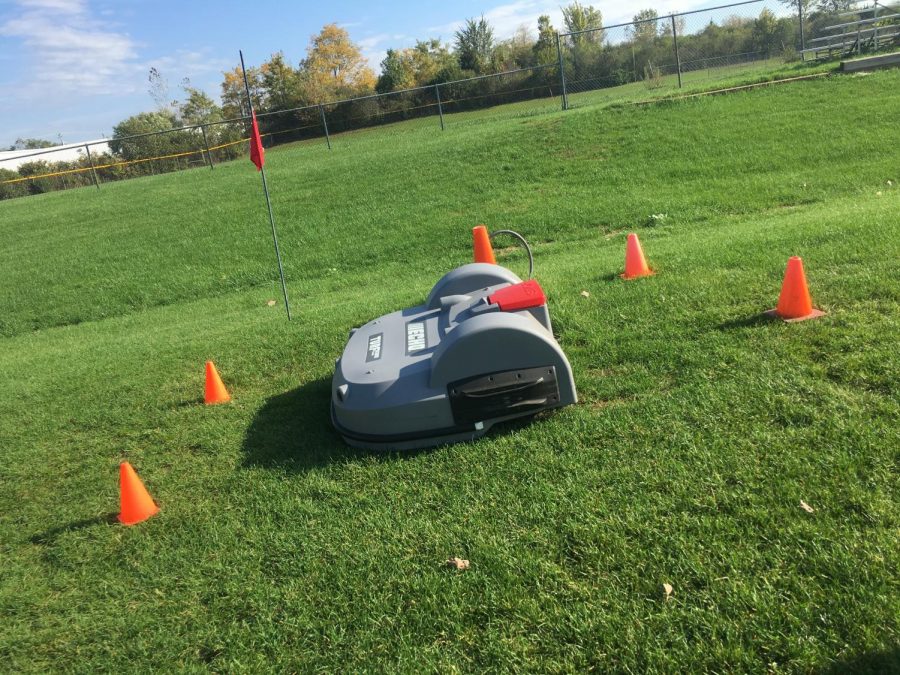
x,y
234,99
334,67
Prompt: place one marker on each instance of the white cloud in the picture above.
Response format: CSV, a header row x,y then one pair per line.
x,y
374,47
68,48
72,53
68,6
373,40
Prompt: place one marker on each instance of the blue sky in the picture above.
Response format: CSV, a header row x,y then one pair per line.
x,y
74,68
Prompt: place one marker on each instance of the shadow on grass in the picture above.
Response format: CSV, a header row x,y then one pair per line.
x,y
887,661
745,322
293,431
48,537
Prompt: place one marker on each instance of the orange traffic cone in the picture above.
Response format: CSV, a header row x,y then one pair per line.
x,y
484,252
136,504
795,303
215,390
635,264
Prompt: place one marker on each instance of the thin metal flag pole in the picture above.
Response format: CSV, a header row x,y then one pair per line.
x,y
262,170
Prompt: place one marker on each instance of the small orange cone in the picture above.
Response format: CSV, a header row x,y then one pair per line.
x,y
484,252
215,390
136,504
795,303
635,264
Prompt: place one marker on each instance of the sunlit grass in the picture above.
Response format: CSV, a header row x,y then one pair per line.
x,y
700,429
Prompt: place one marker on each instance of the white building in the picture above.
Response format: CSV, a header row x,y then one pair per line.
x,y
70,152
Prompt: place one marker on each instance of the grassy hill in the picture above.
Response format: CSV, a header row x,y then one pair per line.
x,y
701,427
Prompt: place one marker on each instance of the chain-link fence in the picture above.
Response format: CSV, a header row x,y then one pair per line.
x,y
99,162
642,59
512,93
660,53
436,105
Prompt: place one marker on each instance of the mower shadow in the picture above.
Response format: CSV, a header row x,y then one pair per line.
x,y
293,431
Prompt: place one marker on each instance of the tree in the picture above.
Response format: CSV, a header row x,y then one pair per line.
x,y
429,58
144,147
234,98
796,5
32,144
334,67
545,47
475,45
158,88
647,29
280,82
765,32
680,26
198,108
578,18
396,72
12,190
516,52
834,6
415,66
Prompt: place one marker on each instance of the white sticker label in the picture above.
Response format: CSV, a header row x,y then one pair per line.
x,y
374,351
415,337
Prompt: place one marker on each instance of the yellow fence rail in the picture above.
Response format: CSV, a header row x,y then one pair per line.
x,y
123,163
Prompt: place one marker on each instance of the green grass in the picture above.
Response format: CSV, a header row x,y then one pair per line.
x,y
697,81
700,426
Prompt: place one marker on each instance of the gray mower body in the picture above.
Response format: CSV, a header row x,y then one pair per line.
x,y
479,351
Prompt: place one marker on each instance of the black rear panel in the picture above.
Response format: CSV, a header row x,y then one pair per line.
x,y
510,392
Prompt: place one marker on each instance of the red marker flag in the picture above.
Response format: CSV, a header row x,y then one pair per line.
x,y
257,154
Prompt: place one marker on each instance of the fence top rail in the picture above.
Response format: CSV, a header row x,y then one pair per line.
x,y
661,18
723,56
429,87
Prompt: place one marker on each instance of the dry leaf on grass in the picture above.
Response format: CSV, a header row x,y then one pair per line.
x,y
271,303
458,563
806,507
667,591
585,294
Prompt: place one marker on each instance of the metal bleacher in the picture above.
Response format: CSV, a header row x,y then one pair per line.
x,y
874,27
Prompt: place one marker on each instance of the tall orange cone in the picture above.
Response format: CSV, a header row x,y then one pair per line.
x,y
136,504
481,242
215,390
795,303
635,263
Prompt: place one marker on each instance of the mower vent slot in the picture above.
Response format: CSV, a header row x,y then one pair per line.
x,y
510,392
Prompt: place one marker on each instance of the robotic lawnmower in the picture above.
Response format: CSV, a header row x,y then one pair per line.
x,y
480,350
